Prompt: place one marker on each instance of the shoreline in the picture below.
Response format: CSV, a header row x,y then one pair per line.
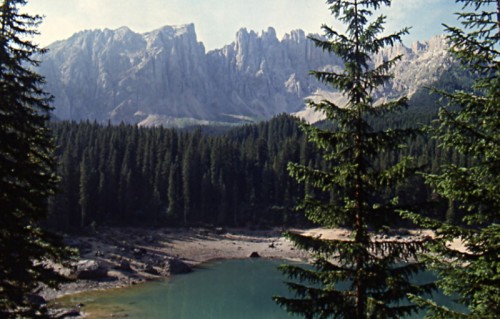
x,y
129,256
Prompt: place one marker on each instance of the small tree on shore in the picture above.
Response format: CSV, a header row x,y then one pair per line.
x,y
359,277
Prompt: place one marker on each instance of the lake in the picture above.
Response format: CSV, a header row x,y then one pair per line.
x,y
222,289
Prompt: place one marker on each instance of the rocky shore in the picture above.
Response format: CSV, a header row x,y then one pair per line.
x,y
121,257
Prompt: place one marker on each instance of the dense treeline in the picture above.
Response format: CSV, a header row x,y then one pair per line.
x,y
127,175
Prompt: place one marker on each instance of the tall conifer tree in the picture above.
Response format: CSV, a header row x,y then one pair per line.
x,y
27,167
361,277
470,125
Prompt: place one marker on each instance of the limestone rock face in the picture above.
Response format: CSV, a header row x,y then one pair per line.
x,y
165,76
90,269
123,76
420,65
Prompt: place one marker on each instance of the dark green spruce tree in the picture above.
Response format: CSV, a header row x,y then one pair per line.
x,y
470,125
27,166
363,276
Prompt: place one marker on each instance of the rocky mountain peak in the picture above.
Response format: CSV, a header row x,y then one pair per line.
x,y
171,32
164,77
296,36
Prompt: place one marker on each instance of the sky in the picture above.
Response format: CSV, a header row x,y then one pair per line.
x,y
217,21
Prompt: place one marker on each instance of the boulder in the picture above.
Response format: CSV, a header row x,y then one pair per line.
x,y
254,255
151,270
124,265
90,269
175,266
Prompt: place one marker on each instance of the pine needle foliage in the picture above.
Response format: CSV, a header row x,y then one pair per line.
x,y
27,166
469,123
363,276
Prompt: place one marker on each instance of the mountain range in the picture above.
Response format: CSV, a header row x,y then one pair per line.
x,y
166,77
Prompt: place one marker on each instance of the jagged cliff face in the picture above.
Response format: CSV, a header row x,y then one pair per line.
x,y
420,65
165,76
123,76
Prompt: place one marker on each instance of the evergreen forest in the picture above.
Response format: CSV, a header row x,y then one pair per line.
x,y
128,175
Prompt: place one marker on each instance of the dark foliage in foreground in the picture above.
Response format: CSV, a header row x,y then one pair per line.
x,y
27,167
125,175
469,123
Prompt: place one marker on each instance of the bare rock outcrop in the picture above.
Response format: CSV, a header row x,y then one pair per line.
x,y
175,266
89,269
165,77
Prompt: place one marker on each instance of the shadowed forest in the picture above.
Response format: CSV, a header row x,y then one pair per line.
x,y
125,175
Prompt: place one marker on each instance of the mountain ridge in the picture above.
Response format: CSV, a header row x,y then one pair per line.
x,y
166,76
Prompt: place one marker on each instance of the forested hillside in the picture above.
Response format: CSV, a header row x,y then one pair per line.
x,y
126,175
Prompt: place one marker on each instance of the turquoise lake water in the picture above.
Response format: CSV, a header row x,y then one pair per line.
x,y
236,289
222,289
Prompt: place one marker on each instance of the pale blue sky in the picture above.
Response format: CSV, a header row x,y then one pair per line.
x,y
217,21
